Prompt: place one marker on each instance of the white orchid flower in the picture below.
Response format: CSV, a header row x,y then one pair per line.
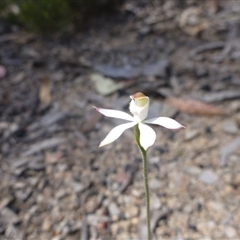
x,y
139,108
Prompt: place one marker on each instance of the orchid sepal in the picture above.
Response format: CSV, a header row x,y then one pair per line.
x,y
115,114
165,122
115,133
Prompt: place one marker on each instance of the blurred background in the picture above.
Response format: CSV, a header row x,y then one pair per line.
x,y
60,58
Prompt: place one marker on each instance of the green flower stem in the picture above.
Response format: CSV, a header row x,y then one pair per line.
x,y
145,176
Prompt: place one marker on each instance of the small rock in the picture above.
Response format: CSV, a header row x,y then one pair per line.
x,y
33,181
174,202
93,219
36,165
155,202
58,237
114,228
61,193
203,226
208,177
230,232
58,76
215,206
18,77
235,55
201,72
143,231
77,225
154,160
123,235
13,232
228,149
52,157
135,221
131,211
230,127
62,167
91,204
144,30
23,194
46,225
114,210
190,134
30,213
19,185
195,171
188,208
136,193
10,216
234,107
154,184
63,228
78,187
4,202
178,220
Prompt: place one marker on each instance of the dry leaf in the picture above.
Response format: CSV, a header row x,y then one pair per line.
x,y
194,107
91,122
105,86
45,92
192,21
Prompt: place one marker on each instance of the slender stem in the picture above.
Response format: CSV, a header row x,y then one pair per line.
x,y
145,176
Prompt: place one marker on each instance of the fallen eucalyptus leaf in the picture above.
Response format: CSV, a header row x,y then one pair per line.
x,y
195,107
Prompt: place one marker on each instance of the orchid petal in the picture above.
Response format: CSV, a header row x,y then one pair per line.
x,y
116,132
115,114
147,136
165,122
